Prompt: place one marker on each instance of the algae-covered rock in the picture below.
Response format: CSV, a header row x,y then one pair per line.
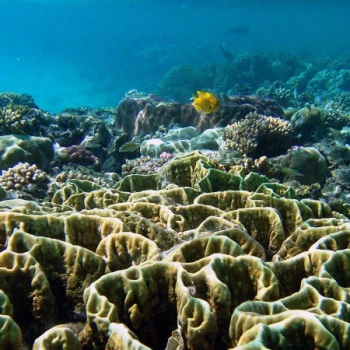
x,y
305,164
180,140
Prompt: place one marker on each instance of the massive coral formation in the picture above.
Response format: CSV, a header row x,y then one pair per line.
x,y
204,260
141,116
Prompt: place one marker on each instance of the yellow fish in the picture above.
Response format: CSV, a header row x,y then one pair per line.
x,y
205,102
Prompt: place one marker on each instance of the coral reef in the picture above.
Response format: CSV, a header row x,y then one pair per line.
x,y
337,111
243,72
145,165
285,96
258,135
80,126
182,81
189,255
309,123
200,250
82,173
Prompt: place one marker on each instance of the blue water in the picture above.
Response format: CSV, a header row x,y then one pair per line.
x,y
90,53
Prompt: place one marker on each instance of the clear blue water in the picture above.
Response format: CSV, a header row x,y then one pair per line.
x,y
90,53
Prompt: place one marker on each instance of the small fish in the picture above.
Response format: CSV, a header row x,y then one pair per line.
x,y
129,147
290,171
296,92
205,102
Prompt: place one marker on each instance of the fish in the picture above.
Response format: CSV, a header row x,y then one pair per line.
x,y
239,30
206,102
290,171
129,147
296,92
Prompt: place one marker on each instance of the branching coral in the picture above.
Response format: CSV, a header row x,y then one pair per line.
x,y
11,98
338,111
21,120
277,91
23,177
258,135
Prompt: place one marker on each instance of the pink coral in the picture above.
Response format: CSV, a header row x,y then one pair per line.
x,y
80,155
166,155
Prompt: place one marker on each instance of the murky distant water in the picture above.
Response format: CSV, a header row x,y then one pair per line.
x,y
77,53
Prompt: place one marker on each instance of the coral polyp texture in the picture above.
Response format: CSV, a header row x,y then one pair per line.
x,y
189,257
258,135
23,176
22,120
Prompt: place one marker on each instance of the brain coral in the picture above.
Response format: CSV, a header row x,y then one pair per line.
x,y
189,257
258,135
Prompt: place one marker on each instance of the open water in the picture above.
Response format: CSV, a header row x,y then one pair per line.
x,y
90,53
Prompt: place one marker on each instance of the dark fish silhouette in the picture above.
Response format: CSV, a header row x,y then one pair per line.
x,y
226,53
239,30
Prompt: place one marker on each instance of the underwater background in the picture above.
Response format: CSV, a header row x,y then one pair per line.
x,y
90,53
174,175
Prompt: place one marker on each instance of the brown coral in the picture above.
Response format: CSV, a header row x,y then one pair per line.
x,y
22,120
258,135
24,177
